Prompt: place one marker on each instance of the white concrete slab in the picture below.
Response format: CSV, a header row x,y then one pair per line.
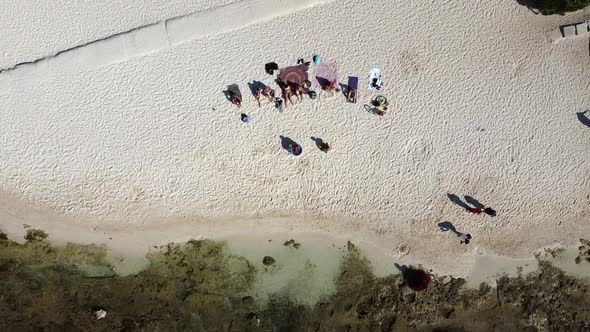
x,y
569,31
582,28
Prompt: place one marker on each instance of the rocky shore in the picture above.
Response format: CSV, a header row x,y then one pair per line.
x,y
200,286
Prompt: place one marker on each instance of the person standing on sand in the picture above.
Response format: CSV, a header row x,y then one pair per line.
x,y
465,238
324,147
295,149
489,211
245,118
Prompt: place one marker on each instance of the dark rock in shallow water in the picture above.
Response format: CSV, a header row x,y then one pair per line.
x,y
267,260
35,235
292,243
98,271
32,283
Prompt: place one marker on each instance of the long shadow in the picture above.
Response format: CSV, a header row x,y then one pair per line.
x,y
286,142
344,88
323,82
227,94
455,199
318,141
474,202
448,226
583,118
232,90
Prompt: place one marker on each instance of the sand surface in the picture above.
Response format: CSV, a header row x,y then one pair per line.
x,y
132,129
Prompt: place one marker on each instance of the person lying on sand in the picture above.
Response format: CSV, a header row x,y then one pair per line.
x,y
295,149
236,100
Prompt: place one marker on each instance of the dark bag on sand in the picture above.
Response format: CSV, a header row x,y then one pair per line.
x,y
271,67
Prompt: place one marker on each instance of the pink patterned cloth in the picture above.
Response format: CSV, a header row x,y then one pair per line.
x,y
327,72
294,74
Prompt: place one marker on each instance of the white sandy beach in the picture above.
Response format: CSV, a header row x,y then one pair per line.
x,y
134,132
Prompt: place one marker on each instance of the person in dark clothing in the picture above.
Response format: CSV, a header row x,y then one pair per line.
x,y
465,238
490,211
324,147
475,210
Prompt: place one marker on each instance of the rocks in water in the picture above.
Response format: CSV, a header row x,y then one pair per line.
x,y
350,246
97,271
247,300
267,260
35,235
32,282
292,243
446,312
583,252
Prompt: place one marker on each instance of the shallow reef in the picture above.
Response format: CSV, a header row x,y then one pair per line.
x,y
201,286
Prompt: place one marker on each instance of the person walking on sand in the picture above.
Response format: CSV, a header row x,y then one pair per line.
x,y
489,211
465,238
475,210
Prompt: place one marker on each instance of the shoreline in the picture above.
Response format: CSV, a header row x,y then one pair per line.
x,y
204,285
248,237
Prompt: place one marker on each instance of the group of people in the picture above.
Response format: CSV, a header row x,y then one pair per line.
x,y
294,89
465,238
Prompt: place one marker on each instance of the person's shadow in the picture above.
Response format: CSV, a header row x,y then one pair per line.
x,y
455,199
323,82
318,141
227,94
286,142
232,90
474,202
583,118
344,88
446,226
254,85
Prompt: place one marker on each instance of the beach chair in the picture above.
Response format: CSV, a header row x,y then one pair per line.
x,y
352,90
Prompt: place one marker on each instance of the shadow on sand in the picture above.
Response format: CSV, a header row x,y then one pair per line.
x,y
455,199
286,142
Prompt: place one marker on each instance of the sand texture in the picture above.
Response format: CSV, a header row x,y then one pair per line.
x,y
133,128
